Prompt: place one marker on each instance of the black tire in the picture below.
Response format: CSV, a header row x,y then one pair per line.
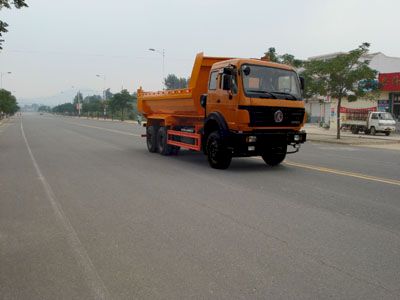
x,y
275,156
151,134
218,156
373,130
354,130
387,133
163,147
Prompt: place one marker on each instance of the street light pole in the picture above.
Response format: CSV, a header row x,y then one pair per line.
x,y
104,94
1,78
78,94
162,53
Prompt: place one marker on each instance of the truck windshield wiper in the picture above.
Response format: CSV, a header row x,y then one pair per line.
x,y
293,97
269,94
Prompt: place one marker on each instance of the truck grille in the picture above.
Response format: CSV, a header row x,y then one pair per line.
x,y
264,116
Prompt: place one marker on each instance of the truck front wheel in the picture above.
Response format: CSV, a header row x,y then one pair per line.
x,y
275,156
151,139
218,155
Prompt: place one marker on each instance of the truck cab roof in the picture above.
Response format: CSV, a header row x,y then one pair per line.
x,y
251,61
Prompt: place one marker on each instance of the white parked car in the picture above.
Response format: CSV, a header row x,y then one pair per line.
x,y
371,123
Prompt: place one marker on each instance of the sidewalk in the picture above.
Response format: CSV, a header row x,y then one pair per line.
x,y
4,120
318,134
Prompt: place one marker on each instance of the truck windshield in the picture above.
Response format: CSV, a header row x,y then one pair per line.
x,y
267,82
385,116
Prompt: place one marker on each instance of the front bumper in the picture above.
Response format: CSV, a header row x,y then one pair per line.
x,y
389,128
243,144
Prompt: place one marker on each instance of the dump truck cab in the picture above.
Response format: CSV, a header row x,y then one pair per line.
x,y
256,105
242,90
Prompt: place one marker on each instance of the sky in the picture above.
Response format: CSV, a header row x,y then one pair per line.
x,y
56,47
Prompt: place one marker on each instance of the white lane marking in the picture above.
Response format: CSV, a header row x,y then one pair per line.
x,y
106,129
93,279
338,148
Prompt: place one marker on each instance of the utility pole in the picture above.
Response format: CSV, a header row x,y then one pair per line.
x,y
79,103
104,95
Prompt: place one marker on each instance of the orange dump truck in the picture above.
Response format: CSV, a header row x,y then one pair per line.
x,y
232,108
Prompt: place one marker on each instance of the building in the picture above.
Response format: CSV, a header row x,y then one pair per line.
x,y
390,93
323,109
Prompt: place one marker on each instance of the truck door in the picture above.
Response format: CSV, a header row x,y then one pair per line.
x,y
222,99
373,121
228,93
212,98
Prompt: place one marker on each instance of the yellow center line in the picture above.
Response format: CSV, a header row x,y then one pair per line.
x,y
343,173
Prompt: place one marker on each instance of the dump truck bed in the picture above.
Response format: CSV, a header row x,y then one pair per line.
x,y
180,103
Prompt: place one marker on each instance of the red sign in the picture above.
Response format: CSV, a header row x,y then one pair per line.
x,y
345,110
390,82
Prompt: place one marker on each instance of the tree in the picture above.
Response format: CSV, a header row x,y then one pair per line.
x,y
121,101
44,108
271,55
8,4
78,98
172,82
343,76
92,104
66,108
108,95
8,103
286,58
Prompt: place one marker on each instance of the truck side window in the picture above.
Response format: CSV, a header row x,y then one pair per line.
x,y
233,83
374,116
212,85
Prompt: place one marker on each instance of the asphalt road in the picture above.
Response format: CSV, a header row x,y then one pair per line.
x,y
87,213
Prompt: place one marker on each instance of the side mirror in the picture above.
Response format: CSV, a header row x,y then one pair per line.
x,y
203,100
226,82
227,71
302,83
246,70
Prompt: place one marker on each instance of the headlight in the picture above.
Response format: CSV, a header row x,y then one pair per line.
x,y
296,137
251,139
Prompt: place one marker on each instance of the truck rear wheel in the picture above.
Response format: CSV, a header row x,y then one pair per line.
x,y
275,156
162,138
354,129
387,133
218,155
151,139
373,130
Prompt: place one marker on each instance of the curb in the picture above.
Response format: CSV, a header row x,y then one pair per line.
x,y
357,137
353,143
